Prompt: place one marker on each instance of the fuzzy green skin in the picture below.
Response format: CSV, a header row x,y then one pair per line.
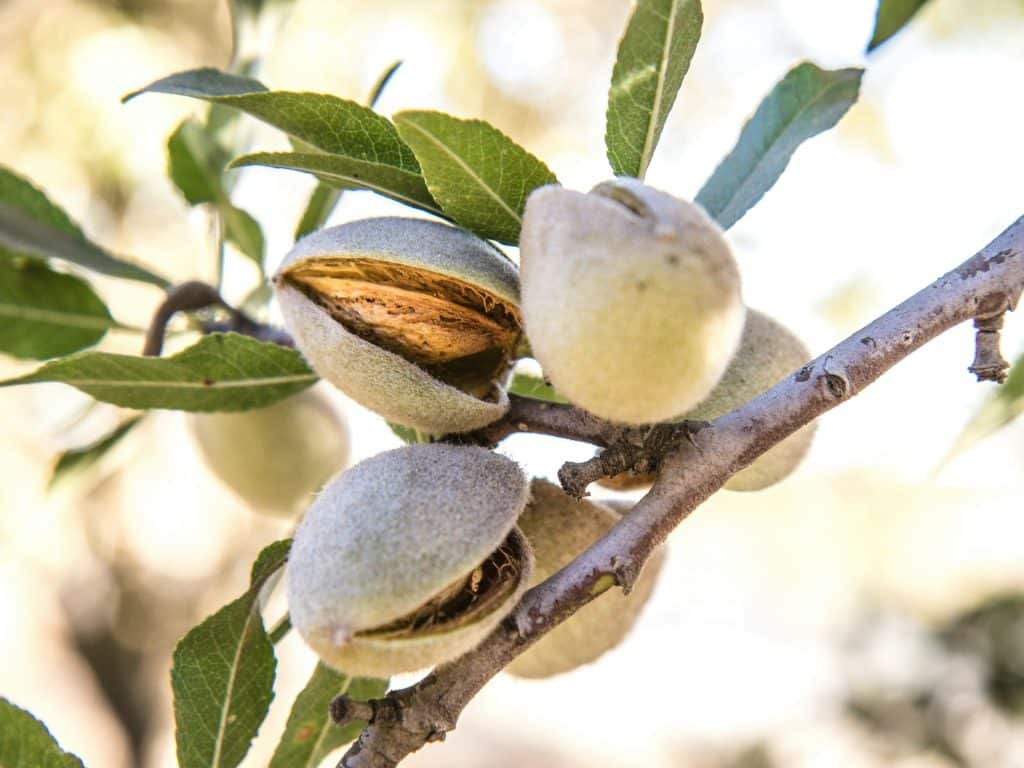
x,y
559,529
388,535
368,656
768,352
633,316
275,458
377,379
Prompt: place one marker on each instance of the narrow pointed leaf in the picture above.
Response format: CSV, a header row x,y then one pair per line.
x,y
408,435
222,677
654,56
328,123
243,232
322,202
221,372
806,102
310,735
82,459
32,225
890,18
528,385
26,743
342,172
47,314
479,176
1003,406
196,164
325,197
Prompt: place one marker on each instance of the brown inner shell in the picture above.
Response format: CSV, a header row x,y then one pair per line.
x,y
458,332
469,598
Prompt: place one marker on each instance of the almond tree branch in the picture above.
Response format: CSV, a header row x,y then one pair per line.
x,y
985,286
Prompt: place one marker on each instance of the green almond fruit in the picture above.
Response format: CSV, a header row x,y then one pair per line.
x,y
413,319
559,529
275,458
768,352
630,298
409,559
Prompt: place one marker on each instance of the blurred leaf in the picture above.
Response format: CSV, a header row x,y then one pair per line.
x,y
654,55
382,83
32,225
196,164
326,122
408,434
80,459
890,18
325,197
528,385
1004,405
223,676
47,314
480,177
244,232
221,372
806,102
26,743
310,735
322,202
351,173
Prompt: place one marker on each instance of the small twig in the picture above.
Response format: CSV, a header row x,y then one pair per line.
x,y
282,628
195,295
989,363
186,297
344,710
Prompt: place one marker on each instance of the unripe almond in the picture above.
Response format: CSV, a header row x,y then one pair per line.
x,y
413,319
409,559
559,528
768,352
630,297
275,458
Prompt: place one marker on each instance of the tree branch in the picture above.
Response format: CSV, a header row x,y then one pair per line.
x,y
984,286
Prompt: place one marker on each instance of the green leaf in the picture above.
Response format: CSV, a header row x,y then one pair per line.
x,y
528,385
32,225
221,372
328,123
351,173
26,743
654,56
1001,408
47,314
196,164
322,202
890,18
382,83
409,435
310,735
806,102
325,197
270,560
81,459
244,232
480,177
222,677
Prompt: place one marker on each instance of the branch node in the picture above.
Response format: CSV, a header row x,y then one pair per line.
x,y
835,381
626,571
344,710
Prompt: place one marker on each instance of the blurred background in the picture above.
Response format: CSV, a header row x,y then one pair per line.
x,y
868,611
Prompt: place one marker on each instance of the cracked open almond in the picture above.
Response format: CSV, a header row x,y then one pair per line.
x,y
409,559
416,320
